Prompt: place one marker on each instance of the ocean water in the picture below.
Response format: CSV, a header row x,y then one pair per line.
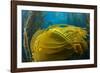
x,y
34,20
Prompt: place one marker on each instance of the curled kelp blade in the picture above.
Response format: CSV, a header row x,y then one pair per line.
x,y
58,43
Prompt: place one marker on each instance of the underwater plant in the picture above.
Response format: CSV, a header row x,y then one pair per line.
x,y
58,42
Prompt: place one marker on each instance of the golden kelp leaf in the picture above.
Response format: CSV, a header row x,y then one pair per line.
x,y
58,43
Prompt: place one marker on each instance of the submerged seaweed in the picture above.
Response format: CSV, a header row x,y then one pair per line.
x,y
63,43
38,22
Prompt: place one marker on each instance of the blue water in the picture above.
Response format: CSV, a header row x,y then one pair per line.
x,y
51,18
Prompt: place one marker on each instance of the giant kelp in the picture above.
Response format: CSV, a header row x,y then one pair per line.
x,y
63,43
